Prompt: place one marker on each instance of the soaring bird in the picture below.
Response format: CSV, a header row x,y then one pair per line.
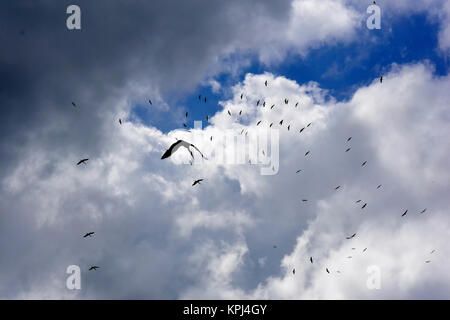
x,y
364,249
271,125
365,204
240,112
180,143
423,211
301,130
150,101
257,103
299,170
82,161
197,182
187,114
309,124
379,186
185,125
428,261
404,213
258,122
289,127
350,138
205,99
347,150
327,270
296,104
229,112
432,251
89,234
120,121
207,118
264,104
199,97
351,237
93,268
381,79
242,95
281,122
337,187
358,201
306,153
293,271
286,101
272,107
304,200
73,103
364,163
311,259
265,83
211,138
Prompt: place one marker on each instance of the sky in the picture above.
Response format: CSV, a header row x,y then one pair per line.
x,y
241,232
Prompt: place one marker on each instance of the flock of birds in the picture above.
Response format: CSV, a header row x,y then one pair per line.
x,y
186,145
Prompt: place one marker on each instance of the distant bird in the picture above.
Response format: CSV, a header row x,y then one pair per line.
x,y
73,103
423,211
309,124
293,271
205,99
197,182
428,261
349,257
404,213
327,270
358,201
187,114
351,237
304,200
365,204
299,170
175,146
211,138
257,103
185,125
120,121
93,268
229,112
347,150
286,101
432,251
263,153
89,234
364,250
364,163
350,138
264,104
311,259
82,161
301,130
272,106
242,95
242,131
381,79
337,187
379,186
265,83
271,125
306,153
150,101
281,122
274,247
289,127
207,118
258,122
296,104
240,112
199,97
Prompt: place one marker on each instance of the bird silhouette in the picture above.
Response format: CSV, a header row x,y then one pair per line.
x,y
89,234
281,122
242,95
350,138
311,259
272,107
207,118
120,121
365,204
404,213
358,201
347,150
306,153
296,104
381,79
73,103
240,112
205,99
257,103
271,125
82,161
299,170
364,250
258,122
364,163
379,186
337,188
150,101
93,268
423,211
180,143
289,127
197,182
265,83
327,270
301,130
200,97
305,200
351,237
293,271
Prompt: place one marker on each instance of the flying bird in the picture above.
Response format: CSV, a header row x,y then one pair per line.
x,y
271,125
229,112
347,150
89,234
258,122
350,138
309,124
432,251
379,186
281,122
197,182
327,270
304,200
289,127
365,204
293,271
423,211
264,104
150,101
205,99
381,79
337,187
286,101
266,86
93,268
364,163
120,121
82,161
242,95
364,250
428,261
211,138
73,103
404,213
187,114
185,125
301,130
311,259
306,153
351,237
207,118
299,170
296,104
358,201
272,107
175,146
257,103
